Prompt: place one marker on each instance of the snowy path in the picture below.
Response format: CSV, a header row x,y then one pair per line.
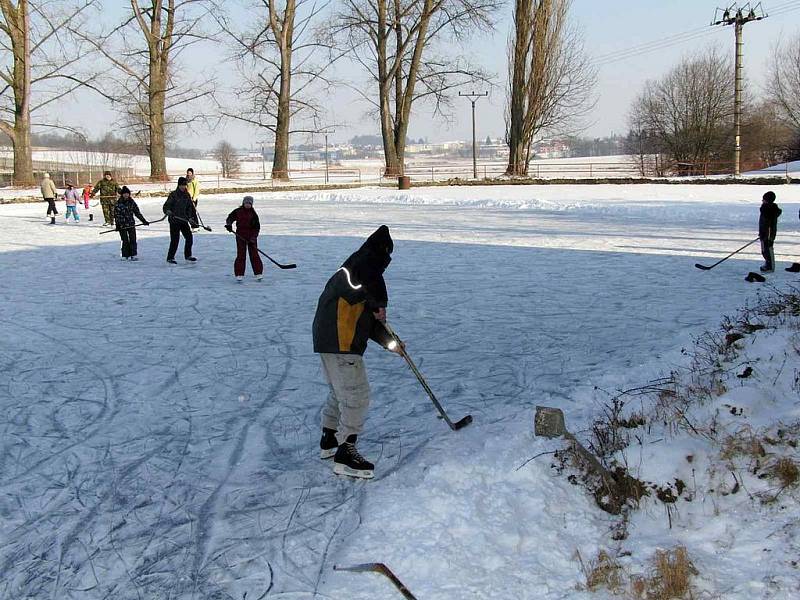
x,y
160,425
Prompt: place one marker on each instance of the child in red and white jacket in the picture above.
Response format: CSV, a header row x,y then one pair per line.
x,y
247,228
87,193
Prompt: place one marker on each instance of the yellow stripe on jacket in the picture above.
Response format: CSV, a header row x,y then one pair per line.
x,y
347,316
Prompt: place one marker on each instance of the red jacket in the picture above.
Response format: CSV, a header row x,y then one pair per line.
x,y
247,223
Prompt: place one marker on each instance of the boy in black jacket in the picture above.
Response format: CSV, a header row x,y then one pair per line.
x,y
124,210
350,312
182,215
767,228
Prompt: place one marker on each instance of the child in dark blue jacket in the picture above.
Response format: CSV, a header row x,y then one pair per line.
x,y
767,228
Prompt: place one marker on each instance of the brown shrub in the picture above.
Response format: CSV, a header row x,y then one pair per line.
x,y
786,471
670,577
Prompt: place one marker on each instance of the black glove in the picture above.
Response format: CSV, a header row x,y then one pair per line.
x,y
145,222
228,227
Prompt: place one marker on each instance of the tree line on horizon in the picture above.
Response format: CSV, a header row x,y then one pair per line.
x,y
284,56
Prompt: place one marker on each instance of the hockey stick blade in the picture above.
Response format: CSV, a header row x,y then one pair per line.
x,y
462,423
382,569
703,267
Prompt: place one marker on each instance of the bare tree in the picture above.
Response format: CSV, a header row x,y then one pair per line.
x,y
767,137
642,145
150,88
228,159
689,112
784,87
44,67
398,42
283,70
550,78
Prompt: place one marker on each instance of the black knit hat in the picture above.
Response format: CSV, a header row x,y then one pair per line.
x,y
124,190
182,181
769,196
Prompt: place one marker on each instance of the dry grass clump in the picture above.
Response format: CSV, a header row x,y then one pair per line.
x,y
786,471
670,577
602,572
743,443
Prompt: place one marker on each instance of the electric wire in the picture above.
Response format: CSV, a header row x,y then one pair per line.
x,y
679,38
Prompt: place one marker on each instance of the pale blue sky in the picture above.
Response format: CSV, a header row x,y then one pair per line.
x,y
609,26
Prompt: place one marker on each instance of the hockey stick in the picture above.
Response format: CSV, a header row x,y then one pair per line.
x,y
268,257
454,426
705,268
383,570
186,221
134,225
199,218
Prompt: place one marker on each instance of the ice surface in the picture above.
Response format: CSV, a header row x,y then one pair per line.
x,y
160,424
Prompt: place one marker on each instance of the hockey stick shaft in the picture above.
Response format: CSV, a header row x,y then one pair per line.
x,y
383,570
199,218
454,426
187,221
134,225
267,256
708,268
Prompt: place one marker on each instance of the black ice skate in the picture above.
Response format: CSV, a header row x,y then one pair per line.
x,y
328,444
348,461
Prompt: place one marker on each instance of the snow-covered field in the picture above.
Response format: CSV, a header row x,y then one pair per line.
x,y
160,425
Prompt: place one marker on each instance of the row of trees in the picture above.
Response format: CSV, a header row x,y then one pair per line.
x,y
684,121
284,55
285,51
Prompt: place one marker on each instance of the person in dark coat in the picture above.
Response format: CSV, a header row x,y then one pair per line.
x,y
247,228
767,229
124,210
351,311
182,216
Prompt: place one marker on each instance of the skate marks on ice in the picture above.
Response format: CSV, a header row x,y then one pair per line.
x,y
183,463
152,450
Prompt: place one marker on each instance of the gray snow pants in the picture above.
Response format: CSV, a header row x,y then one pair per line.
x,y
348,400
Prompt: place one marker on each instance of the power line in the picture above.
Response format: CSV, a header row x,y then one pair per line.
x,y
677,38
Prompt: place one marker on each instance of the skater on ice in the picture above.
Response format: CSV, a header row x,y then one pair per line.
x,y
182,217
87,193
247,228
124,211
767,228
350,312
192,186
108,189
71,198
49,194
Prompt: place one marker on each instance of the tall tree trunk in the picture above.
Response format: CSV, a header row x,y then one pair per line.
x,y
518,153
280,163
158,146
159,45
394,166
18,21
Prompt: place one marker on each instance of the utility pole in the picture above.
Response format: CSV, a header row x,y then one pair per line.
x,y
738,16
473,97
263,163
326,131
